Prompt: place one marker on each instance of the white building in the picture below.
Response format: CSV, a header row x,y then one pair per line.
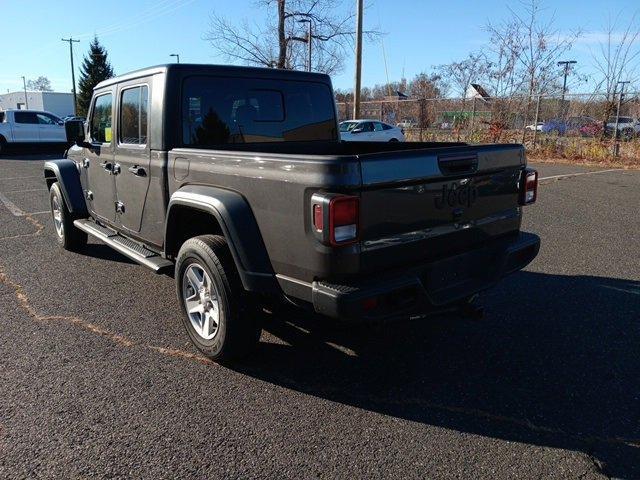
x,y
58,103
477,91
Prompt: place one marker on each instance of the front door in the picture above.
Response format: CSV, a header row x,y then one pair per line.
x,y
51,128
98,163
132,155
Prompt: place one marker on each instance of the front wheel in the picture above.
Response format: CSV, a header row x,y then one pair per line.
x,y
218,315
68,236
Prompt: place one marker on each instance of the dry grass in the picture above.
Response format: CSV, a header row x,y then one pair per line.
x,y
586,151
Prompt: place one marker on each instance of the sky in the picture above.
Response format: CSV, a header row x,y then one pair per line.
x,y
138,33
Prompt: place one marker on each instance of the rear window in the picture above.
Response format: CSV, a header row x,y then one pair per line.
x,y
621,120
25,117
133,115
220,110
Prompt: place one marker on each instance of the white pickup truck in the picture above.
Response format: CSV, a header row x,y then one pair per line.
x,y
30,127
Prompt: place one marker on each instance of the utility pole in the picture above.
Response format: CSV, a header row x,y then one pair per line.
x,y
358,79
616,145
566,64
177,55
73,73
26,101
307,20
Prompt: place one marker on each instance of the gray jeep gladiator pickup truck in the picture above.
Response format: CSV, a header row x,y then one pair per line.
x,y
235,179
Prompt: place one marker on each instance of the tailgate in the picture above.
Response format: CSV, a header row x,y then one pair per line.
x,y
427,204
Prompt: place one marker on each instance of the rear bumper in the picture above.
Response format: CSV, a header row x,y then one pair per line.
x,y
426,288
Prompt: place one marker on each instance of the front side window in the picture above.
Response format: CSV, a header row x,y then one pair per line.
x,y
46,119
26,117
133,115
220,110
101,119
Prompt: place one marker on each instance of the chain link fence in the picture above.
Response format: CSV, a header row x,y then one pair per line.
x,y
572,125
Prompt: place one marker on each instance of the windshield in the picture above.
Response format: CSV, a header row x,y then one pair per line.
x,y
347,126
219,110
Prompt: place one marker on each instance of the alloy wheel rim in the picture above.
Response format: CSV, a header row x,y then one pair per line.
x,y
57,216
201,301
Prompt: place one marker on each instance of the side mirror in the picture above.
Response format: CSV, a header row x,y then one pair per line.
x,y
74,130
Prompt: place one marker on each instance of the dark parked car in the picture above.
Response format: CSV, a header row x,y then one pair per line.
x,y
573,125
235,180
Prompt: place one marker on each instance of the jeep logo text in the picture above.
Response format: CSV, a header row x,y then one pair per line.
x,y
456,195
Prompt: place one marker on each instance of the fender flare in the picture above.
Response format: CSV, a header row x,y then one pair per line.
x,y
66,174
239,226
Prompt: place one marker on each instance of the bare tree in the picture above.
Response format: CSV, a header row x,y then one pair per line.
x,y
40,84
282,43
459,75
617,59
425,85
528,47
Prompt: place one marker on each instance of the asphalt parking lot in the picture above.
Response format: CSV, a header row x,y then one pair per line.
x,y
98,378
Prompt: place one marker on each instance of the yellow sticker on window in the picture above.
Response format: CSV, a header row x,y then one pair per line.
x,y
107,134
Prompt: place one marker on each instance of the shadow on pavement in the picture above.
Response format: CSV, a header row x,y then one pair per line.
x,y
33,152
104,252
555,362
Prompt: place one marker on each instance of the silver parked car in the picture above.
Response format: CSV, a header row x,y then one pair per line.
x,y
370,131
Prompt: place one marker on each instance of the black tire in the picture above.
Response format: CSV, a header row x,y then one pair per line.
x,y
393,140
238,320
628,134
3,145
68,236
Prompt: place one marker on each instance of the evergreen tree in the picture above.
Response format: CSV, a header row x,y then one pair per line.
x,y
95,68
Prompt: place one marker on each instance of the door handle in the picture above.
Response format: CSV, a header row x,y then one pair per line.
x,y
107,166
138,171
116,168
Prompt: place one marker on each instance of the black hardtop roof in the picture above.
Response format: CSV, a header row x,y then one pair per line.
x,y
233,70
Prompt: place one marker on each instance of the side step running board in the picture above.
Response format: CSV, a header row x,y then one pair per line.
x,y
125,246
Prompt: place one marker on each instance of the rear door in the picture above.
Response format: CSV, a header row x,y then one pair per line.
x,y
25,127
132,154
98,162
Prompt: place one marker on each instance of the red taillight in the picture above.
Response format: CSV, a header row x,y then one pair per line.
x,y
343,219
528,186
335,218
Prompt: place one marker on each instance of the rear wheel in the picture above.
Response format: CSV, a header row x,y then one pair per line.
x,y
3,145
219,315
68,236
393,140
628,134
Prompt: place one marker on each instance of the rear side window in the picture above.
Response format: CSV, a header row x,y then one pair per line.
x,y
1,117
101,117
25,117
220,110
386,127
134,105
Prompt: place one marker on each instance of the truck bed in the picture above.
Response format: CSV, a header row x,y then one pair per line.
x,y
401,219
